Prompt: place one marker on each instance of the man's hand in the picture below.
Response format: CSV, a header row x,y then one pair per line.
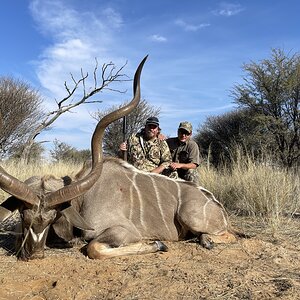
x,y
158,170
162,137
123,146
174,166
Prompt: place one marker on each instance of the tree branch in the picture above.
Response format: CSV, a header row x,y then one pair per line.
x,y
109,74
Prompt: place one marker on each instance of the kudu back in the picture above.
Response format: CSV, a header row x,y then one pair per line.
x,y
119,209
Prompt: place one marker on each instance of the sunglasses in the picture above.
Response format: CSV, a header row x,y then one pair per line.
x,y
152,126
183,132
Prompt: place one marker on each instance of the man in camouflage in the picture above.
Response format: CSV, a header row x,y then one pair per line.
x,y
185,154
146,151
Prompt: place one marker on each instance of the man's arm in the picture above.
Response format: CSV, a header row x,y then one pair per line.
x,y
159,169
174,166
194,159
165,158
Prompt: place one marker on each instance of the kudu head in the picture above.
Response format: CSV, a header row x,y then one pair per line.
x,y
41,204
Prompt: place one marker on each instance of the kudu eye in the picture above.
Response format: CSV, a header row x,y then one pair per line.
x,y
48,217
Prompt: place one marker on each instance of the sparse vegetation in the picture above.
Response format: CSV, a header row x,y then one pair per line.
x,y
62,152
22,171
257,189
22,119
20,109
268,118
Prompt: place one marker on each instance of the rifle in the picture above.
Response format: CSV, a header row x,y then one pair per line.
x,y
124,136
1,122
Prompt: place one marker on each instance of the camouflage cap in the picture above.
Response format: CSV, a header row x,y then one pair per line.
x,y
186,126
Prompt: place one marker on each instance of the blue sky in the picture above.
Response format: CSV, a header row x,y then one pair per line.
x,y
196,51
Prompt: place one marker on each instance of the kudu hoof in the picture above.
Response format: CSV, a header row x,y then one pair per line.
x,y
206,242
161,246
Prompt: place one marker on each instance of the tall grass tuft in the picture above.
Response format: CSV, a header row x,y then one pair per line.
x,y
254,188
24,171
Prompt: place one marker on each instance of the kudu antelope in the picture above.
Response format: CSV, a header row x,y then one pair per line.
x,y
120,210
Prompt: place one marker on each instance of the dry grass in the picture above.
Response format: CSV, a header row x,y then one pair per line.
x,y
256,189
23,171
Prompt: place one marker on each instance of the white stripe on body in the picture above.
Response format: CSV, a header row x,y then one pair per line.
x,y
140,200
216,201
159,204
179,197
204,212
222,210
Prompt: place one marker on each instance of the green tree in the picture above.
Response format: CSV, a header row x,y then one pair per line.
x,y
35,155
271,89
219,136
62,152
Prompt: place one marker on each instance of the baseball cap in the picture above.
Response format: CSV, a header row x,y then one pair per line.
x,y
152,121
186,126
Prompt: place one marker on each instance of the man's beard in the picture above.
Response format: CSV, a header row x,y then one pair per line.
x,y
149,135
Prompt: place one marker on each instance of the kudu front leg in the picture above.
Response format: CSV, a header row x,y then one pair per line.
x,y
120,241
96,250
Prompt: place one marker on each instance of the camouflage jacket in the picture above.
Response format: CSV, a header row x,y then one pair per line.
x,y
147,155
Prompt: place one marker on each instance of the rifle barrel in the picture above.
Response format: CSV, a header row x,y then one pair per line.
x,y
124,136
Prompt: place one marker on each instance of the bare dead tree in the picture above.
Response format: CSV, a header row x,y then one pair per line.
x,y
109,74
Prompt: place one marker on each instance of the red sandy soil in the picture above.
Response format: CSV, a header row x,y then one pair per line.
x,y
266,266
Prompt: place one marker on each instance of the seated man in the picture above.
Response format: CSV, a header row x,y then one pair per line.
x,y
145,151
185,153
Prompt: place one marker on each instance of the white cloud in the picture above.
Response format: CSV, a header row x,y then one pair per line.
x,y
114,17
190,27
158,38
172,111
228,9
58,61
78,38
54,18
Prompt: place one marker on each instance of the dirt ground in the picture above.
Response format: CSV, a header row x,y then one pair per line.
x,y
262,267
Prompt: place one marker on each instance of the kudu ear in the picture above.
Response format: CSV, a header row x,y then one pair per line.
x,y
8,207
74,218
